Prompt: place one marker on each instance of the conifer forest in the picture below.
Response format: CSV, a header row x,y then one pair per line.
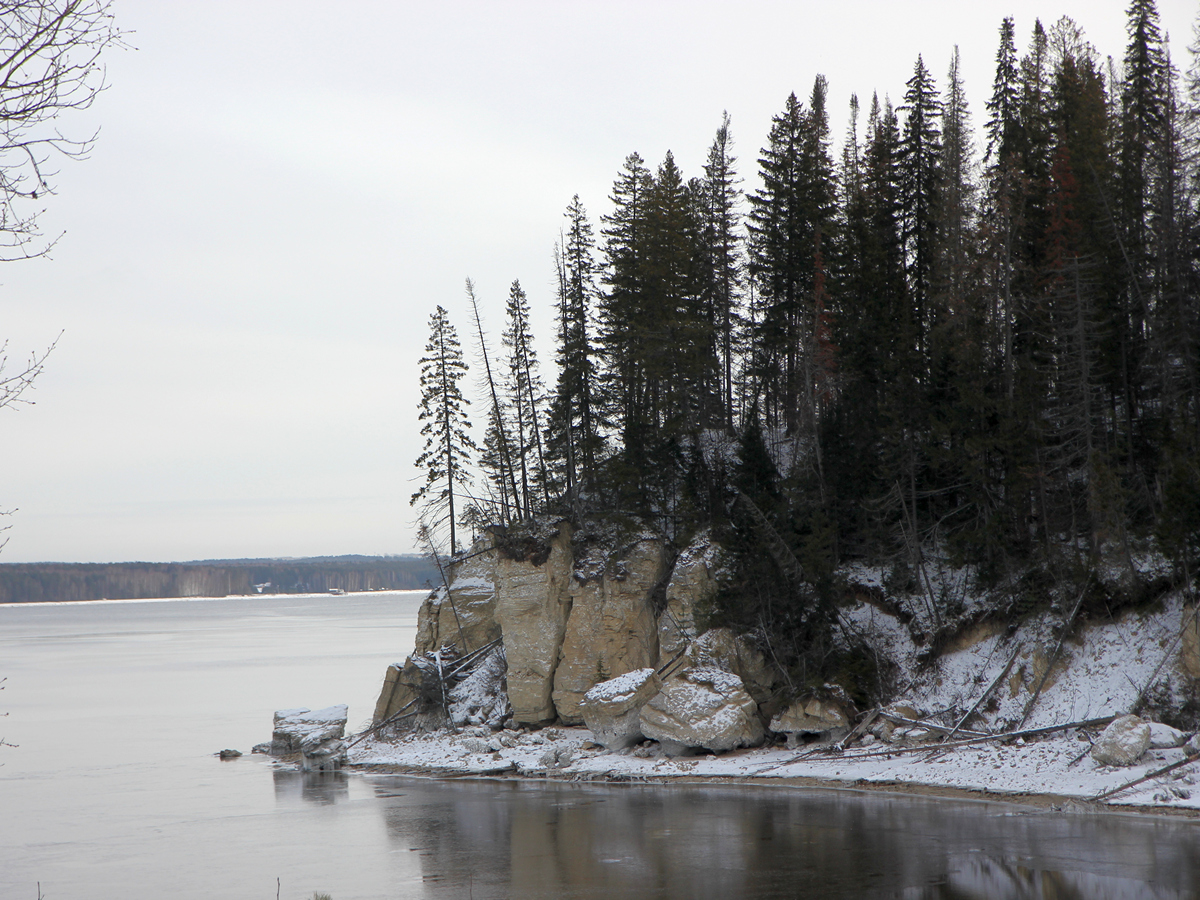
x,y
969,334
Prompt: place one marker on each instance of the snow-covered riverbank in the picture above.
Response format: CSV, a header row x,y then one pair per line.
x,y
1056,766
1103,670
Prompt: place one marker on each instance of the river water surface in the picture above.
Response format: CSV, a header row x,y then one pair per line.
x,y
113,790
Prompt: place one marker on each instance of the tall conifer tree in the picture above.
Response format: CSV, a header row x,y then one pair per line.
x,y
448,446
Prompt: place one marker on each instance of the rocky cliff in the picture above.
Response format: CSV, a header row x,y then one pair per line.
x,y
605,632
572,612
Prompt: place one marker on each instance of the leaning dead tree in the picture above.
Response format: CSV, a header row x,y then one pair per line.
x,y
50,62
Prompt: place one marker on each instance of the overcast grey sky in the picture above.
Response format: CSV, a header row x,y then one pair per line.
x,y
283,191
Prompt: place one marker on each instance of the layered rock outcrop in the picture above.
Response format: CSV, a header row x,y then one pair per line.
x,y
720,648
464,616
692,584
612,628
565,626
533,602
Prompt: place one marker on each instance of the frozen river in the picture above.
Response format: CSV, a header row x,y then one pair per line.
x,y
113,791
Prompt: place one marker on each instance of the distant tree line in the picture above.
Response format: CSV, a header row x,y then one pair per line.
x,y
56,582
985,345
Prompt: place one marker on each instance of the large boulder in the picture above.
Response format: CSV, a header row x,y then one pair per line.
x,y
612,708
612,627
1123,742
720,648
532,605
704,708
465,616
296,729
692,584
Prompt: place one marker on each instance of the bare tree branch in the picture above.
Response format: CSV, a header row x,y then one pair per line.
x,y
49,62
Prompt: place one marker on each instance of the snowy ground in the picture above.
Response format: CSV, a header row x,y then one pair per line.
x,y
1056,766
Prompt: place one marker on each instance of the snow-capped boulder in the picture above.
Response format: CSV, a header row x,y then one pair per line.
x,y
811,715
704,708
612,708
720,648
295,728
532,604
1164,737
1123,742
612,629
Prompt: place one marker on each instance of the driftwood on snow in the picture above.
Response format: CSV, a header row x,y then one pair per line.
x,y
402,713
1003,736
982,697
1053,657
1178,764
927,723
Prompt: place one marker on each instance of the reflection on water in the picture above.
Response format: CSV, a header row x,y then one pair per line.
x,y
507,839
114,791
313,787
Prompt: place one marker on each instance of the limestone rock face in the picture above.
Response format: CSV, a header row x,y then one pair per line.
x,y
612,628
811,715
532,605
692,583
704,708
400,684
296,729
611,709
1122,742
466,616
720,648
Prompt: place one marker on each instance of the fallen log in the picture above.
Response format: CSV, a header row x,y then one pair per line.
x,y
1178,764
1053,657
924,723
1003,736
399,714
991,687
859,729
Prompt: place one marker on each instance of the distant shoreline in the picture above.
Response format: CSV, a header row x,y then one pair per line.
x,y
51,582
104,601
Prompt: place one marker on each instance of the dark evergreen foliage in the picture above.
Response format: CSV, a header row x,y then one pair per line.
x,y
986,351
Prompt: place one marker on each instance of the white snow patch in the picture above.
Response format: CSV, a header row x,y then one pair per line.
x,y
620,687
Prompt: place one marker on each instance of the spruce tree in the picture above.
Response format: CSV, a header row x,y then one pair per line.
x,y
719,198
572,430
792,216
921,184
525,395
448,445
